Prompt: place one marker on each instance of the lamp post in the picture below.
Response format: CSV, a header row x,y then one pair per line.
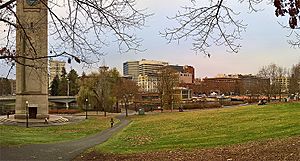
x,y
26,111
172,103
125,101
86,105
68,89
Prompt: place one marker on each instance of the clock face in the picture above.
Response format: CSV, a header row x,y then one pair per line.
x,y
32,2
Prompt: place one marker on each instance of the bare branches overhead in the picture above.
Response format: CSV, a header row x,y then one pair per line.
x,y
213,24
80,27
217,23
295,42
90,22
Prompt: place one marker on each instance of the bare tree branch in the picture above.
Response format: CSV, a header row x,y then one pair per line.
x,y
217,23
214,24
6,4
79,28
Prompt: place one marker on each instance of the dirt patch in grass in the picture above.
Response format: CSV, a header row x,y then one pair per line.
x,y
274,149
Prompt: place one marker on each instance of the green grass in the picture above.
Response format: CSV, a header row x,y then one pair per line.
x,y
15,135
205,128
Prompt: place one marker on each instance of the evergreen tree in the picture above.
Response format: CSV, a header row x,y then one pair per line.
x,y
63,72
54,91
5,86
83,74
63,85
73,83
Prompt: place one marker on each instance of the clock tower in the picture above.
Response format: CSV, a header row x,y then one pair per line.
x,y
32,61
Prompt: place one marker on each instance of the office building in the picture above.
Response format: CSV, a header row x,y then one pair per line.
x,y
145,72
150,67
131,68
55,68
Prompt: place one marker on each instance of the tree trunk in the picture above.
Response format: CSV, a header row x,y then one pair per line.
x,y
117,105
126,109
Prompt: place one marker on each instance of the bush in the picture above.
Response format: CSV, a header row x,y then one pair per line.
x,y
231,103
64,111
202,105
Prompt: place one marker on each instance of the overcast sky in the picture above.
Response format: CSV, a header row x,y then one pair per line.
x,y
264,42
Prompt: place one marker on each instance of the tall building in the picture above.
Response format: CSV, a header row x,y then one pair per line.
x,y
131,68
144,72
56,68
150,67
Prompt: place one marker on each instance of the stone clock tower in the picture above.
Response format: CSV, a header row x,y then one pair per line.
x,y
32,66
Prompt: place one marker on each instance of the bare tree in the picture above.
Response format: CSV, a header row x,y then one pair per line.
x,y
79,29
217,23
295,79
127,91
168,80
275,73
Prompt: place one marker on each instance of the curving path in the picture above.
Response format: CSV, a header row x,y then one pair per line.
x,y
60,151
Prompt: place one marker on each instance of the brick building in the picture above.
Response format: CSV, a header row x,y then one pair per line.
x,y
221,85
235,84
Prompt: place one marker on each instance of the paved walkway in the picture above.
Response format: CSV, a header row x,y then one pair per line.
x,y
59,151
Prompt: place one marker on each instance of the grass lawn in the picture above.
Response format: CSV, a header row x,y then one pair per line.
x,y
205,128
15,135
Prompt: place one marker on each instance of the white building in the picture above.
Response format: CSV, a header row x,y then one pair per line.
x,y
144,72
55,68
148,83
150,67
284,83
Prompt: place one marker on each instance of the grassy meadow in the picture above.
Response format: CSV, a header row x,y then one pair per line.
x,y
205,128
15,135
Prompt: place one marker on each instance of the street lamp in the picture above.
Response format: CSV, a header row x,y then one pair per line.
x,y
68,90
86,105
26,111
125,101
172,103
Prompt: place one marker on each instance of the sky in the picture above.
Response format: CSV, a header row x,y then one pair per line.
x,y
264,42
